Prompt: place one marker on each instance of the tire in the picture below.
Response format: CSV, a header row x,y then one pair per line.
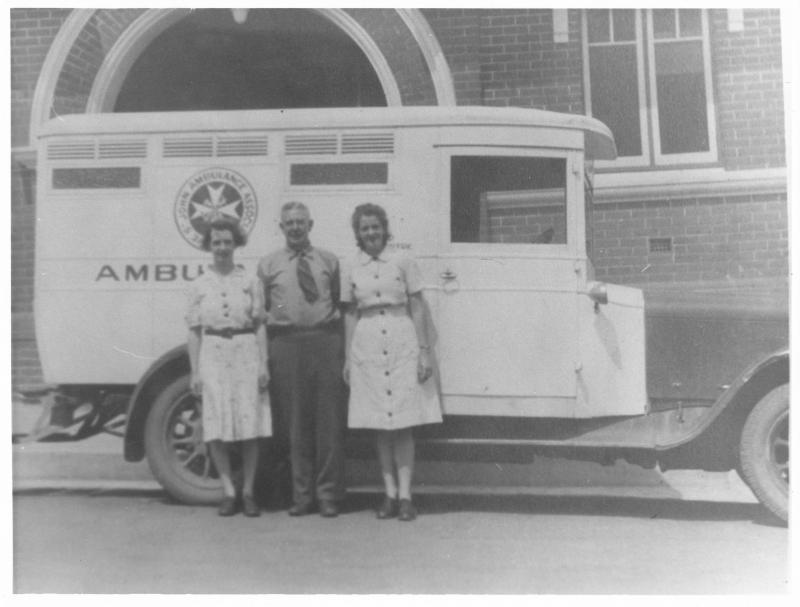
x,y
176,453
764,451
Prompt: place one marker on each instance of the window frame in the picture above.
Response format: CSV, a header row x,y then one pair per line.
x,y
649,124
574,245
709,155
644,159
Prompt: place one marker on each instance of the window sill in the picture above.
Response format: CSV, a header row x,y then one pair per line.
x,y
644,186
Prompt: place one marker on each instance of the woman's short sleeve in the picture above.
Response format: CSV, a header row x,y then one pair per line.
x,y
259,312
194,297
412,275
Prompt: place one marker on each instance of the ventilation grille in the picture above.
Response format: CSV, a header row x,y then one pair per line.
x,y
378,143
208,147
133,148
94,149
301,144
188,147
660,245
242,146
370,143
71,150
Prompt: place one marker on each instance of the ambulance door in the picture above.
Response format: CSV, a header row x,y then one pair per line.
x,y
506,289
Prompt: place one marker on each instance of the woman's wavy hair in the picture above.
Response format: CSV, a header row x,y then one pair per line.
x,y
223,223
369,209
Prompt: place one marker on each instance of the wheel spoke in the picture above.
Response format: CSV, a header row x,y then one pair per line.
x,y
191,458
178,442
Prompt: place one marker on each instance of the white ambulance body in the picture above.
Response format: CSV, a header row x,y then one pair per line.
x,y
489,201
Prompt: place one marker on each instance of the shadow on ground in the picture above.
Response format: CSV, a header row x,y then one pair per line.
x,y
433,504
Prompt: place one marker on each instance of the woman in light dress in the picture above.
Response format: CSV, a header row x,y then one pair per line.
x,y
227,346
388,358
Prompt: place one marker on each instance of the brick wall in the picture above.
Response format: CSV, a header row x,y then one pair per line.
x,y
31,32
749,90
402,53
712,238
508,58
86,56
25,361
458,34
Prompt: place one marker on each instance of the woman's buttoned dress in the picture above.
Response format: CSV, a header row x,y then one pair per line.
x,y
233,408
385,393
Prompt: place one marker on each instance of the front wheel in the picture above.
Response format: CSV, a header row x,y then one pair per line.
x,y
176,453
764,451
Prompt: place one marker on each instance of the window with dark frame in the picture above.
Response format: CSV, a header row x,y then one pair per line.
x,y
508,200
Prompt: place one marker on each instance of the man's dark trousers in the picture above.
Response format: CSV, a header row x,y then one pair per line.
x,y
309,408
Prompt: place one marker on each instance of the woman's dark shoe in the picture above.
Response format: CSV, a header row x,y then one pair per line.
x,y
387,509
249,506
407,511
227,506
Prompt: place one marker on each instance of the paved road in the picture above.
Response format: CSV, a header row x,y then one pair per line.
x,y
138,541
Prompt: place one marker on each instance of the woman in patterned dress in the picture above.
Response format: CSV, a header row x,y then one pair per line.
x,y
388,358
228,355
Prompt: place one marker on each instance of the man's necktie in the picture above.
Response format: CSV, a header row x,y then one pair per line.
x,y
306,279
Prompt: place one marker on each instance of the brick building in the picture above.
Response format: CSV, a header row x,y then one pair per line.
x,y
694,97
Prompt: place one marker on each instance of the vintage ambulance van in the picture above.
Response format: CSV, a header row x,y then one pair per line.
x,y
533,353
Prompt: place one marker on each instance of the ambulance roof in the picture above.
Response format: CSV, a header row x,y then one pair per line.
x,y
598,140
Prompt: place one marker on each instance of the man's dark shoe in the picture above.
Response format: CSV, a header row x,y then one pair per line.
x,y
250,507
301,509
328,509
227,506
387,509
407,511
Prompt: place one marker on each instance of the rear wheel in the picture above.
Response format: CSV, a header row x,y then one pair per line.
x,y
176,453
764,451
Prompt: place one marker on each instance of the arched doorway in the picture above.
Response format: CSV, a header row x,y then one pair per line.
x,y
276,58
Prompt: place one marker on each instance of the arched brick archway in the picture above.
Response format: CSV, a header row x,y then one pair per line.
x,y
94,50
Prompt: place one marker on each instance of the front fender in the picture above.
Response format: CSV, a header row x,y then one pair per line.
x,y
168,367
728,413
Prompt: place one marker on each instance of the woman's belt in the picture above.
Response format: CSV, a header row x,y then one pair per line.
x,y
228,332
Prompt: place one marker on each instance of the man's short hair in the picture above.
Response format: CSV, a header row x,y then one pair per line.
x,y
295,205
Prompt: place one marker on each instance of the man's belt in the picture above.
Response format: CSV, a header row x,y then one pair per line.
x,y
278,330
228,332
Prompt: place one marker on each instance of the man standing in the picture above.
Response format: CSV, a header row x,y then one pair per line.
x,y
306,354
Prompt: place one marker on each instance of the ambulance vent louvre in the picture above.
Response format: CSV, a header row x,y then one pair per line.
x,y
242,146
132,148
310,144
371,143
71,150
188,147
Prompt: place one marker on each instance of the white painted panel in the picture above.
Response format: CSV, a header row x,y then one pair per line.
x,y
89,340
511,343
612,345
507,406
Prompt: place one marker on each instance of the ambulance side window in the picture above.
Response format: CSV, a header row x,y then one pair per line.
x,y
508,199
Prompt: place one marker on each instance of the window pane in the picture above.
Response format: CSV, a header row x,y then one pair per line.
x,y
339,173
99,178
690,22
615,95
624,25
599,26
680,86
508,199
664,23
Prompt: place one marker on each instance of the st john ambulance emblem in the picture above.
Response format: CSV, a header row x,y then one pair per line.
x,y
212,194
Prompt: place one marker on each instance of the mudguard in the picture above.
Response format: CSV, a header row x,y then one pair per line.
x,y
169,366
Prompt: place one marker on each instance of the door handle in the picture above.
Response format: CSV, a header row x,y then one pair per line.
x,y
448,275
